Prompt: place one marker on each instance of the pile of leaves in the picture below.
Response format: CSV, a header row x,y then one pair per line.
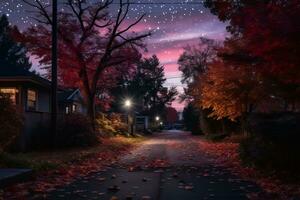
x,y
46,181
226,155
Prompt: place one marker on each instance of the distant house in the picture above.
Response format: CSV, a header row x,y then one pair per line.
x,y
32,96
70,101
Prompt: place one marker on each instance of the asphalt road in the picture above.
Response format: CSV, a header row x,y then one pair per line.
x,y
169,166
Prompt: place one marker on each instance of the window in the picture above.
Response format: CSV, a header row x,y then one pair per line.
x,y
74,108
67,110
31,100
13,94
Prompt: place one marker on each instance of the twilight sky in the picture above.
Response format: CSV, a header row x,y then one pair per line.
x,y
175,24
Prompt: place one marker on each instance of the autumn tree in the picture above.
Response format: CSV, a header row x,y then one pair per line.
x,y
92,44
270,30
12,53
193,64
233,85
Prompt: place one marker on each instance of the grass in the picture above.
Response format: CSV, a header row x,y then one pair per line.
x,y
41,161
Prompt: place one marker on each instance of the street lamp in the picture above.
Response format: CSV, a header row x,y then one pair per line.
x,y
127,103
157,118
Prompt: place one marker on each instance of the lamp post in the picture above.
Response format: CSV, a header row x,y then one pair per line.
x,y
54,70
157,118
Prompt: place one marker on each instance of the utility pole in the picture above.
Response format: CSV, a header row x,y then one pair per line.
x,y
54,71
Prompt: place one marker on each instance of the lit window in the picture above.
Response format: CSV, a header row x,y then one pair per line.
x,y
31,100
67,110
13,94
74,108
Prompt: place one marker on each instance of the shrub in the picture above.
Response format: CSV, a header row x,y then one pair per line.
x,y
41,141
75,131
273,144
118,124
11,122
111,125
271,155
191,119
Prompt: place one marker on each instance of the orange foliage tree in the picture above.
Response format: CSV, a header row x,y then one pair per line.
x,y
232,86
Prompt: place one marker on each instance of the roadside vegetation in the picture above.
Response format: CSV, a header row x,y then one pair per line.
x,y
101,57
243,93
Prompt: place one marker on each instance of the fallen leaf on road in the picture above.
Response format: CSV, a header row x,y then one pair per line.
x,y
188,187
114,188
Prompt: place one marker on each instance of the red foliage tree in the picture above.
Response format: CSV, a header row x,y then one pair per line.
x,y
271,31
92,47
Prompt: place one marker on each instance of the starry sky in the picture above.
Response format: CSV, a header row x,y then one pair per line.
x,y
174,23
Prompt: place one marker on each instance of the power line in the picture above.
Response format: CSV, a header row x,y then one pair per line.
x,y
164,3
173,77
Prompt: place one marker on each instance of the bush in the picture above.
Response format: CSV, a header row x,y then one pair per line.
x,y
274,143
111,125
11,122
41,141
76,131
271,155
275,125
191,119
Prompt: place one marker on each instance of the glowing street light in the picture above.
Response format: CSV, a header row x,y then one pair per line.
x,y
157,118
127,103
161,123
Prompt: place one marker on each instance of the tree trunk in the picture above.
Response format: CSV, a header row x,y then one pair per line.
x,y
224,129
245,125
91,110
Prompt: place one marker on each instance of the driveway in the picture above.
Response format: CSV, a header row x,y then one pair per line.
x,y
168,166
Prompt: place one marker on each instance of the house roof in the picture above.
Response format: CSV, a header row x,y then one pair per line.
x,y
20,74
67,95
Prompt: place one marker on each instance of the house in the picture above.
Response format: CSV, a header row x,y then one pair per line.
x,y
32,96
70,101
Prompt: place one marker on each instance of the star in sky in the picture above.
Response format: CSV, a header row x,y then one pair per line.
x,y
174,23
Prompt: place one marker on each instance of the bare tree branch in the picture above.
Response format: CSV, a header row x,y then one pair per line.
x,y
131,25
42,9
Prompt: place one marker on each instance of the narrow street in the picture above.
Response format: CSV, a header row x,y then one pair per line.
x,y
169,166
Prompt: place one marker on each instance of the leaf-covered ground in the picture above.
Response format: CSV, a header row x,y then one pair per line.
x,y
173,165
169,165
226,155
70,165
